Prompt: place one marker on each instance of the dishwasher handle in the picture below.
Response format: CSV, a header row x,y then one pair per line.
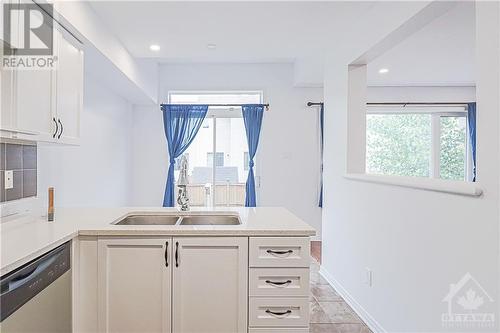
x,y
21,285
22,279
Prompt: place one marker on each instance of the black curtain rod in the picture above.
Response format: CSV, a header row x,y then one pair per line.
x,y
415,103
228,105
314,103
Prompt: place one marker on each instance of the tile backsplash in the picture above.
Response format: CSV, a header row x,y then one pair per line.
x,y
20,158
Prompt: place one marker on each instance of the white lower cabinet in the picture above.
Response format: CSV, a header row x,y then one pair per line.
x,y
192,285
279,284
180,284
134,285
278,312
210,285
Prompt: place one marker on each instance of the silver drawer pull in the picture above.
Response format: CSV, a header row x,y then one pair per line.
x,y
278,283
279,252
279,313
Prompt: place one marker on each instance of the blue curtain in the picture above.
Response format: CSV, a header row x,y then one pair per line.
x,y
321,129
181,123
252,116
471,119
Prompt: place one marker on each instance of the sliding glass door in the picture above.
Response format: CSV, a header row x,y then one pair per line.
x,y
218,156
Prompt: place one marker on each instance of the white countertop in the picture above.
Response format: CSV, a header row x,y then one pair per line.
x,y
27,237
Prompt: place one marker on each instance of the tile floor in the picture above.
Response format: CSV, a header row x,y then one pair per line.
x,y
329,312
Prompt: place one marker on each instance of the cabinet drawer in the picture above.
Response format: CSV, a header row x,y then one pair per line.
x,y
278,330
279,282
278,312
279,252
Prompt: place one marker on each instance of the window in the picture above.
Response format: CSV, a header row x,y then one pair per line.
x,y
246,161
218,181
219,159
177,165
418,141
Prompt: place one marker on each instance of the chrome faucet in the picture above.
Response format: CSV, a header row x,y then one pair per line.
x,y
182,182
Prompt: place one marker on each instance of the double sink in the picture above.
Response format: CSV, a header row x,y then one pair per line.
x,y
229,218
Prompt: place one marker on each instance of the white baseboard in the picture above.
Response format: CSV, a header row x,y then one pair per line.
x,y
360,311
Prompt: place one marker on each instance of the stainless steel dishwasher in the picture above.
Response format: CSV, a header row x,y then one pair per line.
x,y
37,296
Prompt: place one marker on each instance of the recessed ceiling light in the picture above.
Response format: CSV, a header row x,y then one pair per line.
x,y
383,70
154,47
211,46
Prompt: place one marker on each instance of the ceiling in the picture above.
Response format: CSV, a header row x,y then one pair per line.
x,y
242,31
299,31
440,54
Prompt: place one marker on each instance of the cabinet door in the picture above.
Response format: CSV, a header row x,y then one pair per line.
x,y
6,94
210,285
134,279
34,103
34,98
69,86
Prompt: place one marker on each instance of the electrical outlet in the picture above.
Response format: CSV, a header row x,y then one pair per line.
x,y
9,179
368,277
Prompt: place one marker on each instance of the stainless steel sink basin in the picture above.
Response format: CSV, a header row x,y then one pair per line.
x,y
210,220
149,220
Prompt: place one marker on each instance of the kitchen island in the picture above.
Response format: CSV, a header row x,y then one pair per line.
x,y
247,277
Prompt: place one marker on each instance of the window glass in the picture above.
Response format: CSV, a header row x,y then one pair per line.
x,y
219,159
398,144
200,175
230,176
246,161
428,143
453,152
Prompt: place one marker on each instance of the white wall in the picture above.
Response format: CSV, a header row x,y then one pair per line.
x,y
98,172
416,242
287,157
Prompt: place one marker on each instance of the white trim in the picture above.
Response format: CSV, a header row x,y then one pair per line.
x,y
214,92
421,183
365,316
214,161
419,109
435,161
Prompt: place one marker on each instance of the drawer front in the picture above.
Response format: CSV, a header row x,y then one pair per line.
x,y
278,330
279,282
279,252
278,312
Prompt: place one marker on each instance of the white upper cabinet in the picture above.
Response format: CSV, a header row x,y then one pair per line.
x,y
44,104
6,94
69,86
33,97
